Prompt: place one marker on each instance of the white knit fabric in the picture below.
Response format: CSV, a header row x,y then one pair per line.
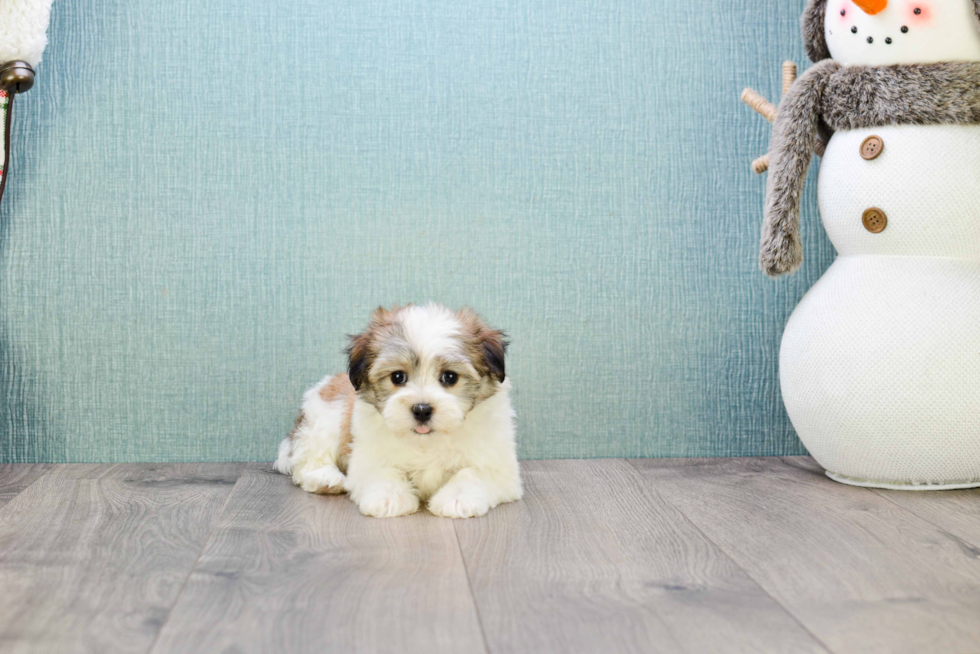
x,y
926,180
880,370
880,362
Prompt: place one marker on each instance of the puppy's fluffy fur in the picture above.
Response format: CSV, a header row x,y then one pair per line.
x,y
423,414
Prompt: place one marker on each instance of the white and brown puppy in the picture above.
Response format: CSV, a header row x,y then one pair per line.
x,y
424,413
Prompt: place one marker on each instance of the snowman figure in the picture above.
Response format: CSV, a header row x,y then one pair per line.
x,y
880,362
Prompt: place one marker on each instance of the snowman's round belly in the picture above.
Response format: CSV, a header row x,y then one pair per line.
x,y
880,369
925,180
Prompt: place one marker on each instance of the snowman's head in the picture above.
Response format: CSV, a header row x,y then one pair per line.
x,y
885,32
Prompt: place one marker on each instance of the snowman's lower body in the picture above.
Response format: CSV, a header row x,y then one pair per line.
x,y
880,372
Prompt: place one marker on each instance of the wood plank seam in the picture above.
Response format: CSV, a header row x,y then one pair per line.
x,y
289,571
92,556
642,483
731,557
860,572
190,571
592,560
48,469
961,541
469,585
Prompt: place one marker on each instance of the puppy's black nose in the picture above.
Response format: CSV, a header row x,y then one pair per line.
x,y
422,412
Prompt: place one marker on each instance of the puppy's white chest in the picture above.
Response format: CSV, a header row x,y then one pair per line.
x,y
430,466
429,480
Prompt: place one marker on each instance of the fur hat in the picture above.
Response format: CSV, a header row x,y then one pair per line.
x,y
813,38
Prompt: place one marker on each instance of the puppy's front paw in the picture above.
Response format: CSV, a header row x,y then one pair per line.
x,y
327,480
388,502
460,502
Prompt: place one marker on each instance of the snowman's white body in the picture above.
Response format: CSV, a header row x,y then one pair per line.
x,y
880,362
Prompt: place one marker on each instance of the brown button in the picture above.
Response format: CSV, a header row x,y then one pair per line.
x,y
872,147
875,220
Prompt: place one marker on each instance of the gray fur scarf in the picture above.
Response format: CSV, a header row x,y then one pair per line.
x,y
843,98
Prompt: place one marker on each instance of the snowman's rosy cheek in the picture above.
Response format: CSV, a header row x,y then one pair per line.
x,y
918,13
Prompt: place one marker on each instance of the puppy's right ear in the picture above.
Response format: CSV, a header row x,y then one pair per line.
x,y
360,355
358,359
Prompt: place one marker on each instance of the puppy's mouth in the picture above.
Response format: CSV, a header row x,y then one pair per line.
x,y
422,429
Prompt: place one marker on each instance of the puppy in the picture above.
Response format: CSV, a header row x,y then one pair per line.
x,y
423,414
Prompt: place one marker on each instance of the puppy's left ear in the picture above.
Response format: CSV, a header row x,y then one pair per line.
x,y
487,346
494,349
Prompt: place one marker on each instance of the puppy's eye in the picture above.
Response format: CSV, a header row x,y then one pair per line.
x,y
449,378
398,378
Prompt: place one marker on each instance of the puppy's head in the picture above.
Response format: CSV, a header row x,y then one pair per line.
x,y
424,368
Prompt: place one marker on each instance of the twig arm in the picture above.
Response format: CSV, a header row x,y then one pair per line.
x,y
789,75
759,104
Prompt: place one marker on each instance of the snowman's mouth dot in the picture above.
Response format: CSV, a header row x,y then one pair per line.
x,y
871,39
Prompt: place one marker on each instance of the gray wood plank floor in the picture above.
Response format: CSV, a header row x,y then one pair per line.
x,y
15,478
706,555
594,560
858,571
287,571
93,557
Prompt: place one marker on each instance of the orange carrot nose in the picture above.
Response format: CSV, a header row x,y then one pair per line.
x,y
871,7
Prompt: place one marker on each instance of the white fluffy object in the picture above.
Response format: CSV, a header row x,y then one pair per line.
x,y
23,29
366,434
880,362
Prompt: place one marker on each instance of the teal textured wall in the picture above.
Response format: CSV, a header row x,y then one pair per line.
x,y
206,196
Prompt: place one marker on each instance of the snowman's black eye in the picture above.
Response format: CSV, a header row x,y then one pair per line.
x,y
854,30
917,11
398,378
905,29
843,12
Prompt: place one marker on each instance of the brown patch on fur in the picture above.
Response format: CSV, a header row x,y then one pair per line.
x,y
340,389
346,438
296,425
362,350
336,388
484,346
